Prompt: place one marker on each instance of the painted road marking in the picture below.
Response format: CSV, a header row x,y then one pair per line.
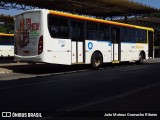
x,y
109,99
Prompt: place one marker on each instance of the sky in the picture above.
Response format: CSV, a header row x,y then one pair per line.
x,y
152,3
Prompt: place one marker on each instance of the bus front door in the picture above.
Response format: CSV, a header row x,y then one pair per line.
x,y
77,30
115,32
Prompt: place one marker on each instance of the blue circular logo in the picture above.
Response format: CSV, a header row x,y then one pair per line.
x,y
90,45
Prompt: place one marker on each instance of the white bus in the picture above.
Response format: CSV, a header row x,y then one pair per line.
x,y
62,38
6,45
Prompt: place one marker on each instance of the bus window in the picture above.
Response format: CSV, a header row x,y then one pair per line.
x,y
77,30
141,36
6,40
115,34
73,30
58,27
104,32
123,34
92,30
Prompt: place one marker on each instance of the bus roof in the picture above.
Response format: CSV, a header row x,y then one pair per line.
x,y
5,34
57,13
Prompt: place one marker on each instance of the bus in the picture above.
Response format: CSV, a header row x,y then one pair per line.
x,y
63,38
6,45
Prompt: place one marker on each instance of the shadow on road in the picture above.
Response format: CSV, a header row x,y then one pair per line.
x,y
42,68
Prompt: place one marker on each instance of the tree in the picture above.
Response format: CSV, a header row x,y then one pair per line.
x,y
7,28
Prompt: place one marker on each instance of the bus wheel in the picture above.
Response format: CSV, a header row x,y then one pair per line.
x,y
141,58
96,60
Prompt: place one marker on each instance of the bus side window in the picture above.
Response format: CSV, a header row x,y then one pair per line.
x,y
141,36
104,32
6,40
92,30
58,27
123,34
63,28
73,30
53,31
144,36
107,33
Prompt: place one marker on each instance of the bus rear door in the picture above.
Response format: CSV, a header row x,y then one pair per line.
x,y
77,30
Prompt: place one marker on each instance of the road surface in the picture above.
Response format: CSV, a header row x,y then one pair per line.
x,y
57,91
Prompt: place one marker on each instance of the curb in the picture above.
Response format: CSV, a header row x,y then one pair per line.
x,y
3,71
155,60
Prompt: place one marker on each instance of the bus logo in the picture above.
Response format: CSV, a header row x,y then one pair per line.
x,y
90,45
62,43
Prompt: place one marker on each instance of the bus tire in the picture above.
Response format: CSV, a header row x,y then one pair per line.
x,y
96,60
141,58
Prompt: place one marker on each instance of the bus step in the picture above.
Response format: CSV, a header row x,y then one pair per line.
x,y
77,63
115,61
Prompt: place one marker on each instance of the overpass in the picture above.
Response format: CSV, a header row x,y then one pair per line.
x,y
97,8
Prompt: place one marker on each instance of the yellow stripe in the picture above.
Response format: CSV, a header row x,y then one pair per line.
x,y
96,20
4,34
144,28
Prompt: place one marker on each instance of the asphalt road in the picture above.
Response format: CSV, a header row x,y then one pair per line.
x,y
79,91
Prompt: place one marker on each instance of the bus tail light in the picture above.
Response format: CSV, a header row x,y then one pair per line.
x,y
40,45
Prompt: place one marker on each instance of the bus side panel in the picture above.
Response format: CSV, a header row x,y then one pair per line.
x,y
47,54
124,52
62,51
127,51
6,51
56,50
131,51
103,46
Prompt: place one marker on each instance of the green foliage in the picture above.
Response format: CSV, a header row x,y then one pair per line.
x,y
2,30
7,28
157,15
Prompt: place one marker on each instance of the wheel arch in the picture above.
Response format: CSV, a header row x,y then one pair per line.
x,y
143,52
97,51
